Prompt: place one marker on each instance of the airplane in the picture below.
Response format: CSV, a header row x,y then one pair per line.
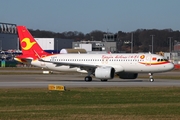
x,y
102,66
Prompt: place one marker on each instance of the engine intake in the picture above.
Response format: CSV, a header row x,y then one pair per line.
x,y
104,72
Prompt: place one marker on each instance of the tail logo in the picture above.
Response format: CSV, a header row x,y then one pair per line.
x,y
28,43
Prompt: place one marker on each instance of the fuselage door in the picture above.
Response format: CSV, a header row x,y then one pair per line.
x,y
148,59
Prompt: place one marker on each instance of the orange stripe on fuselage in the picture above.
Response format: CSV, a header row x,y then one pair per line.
x,y
154,63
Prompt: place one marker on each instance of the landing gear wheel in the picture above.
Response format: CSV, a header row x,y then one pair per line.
x,y
103,80
151,80
88,78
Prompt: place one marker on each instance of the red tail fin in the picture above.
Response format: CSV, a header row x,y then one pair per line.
x,y
29,46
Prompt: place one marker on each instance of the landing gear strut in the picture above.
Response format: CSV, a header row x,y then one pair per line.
x,y
88,78
151,79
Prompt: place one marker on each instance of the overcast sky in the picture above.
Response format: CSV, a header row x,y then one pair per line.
x,y
88,15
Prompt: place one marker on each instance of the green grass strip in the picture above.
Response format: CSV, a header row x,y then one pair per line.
x,y
91,103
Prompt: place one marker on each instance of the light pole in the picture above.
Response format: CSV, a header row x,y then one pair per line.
x,y
170,46
1,45
152,41
132,42
57,45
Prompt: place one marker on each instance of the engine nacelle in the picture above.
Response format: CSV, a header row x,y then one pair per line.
x,y
104,72
125,75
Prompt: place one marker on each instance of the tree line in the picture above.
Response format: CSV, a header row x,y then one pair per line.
x,y
142,38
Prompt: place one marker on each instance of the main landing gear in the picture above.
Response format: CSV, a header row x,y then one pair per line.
x,y
103,80
88,78
151,79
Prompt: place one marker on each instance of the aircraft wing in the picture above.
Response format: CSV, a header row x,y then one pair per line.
x,y
85,66
71,64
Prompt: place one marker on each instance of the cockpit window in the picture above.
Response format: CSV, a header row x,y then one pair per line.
x,y
165,60
161,60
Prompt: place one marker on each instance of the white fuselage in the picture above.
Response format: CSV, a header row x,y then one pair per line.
x,y
135,63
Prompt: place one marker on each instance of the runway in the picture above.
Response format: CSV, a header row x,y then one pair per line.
x,y
77,80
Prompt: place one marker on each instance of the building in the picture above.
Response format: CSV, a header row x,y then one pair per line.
x,y
54,44
95,46
109,37
8,37
177,47
108,44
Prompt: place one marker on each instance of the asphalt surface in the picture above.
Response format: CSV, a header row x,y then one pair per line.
x,y
40,80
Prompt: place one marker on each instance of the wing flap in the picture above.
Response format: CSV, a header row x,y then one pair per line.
x,y
85,66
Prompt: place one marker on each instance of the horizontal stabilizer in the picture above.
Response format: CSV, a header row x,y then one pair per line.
x,y
23,59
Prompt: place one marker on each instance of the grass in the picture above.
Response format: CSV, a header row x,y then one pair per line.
x,y
90,103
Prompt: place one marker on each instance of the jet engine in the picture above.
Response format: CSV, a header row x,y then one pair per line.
x,y
104,72
125,75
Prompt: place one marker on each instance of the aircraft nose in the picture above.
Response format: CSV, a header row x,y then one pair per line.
x,y
171,66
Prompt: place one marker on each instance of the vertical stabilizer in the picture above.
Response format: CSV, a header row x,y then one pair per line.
x,y
29,46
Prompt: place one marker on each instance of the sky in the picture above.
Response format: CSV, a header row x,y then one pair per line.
x,y
88,15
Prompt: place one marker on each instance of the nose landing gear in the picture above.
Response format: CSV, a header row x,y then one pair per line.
x,y
151,79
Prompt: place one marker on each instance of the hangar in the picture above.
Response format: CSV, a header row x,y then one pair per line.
x,y
54,44
8,37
